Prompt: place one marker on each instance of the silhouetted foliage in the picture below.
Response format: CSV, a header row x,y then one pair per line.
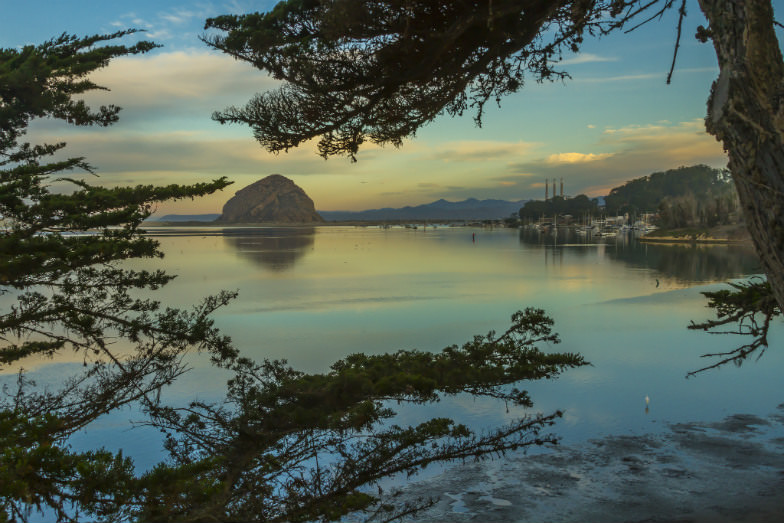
x,y
578,206
715,206
289,446
747,311
647,194
357,71
63,290
284,446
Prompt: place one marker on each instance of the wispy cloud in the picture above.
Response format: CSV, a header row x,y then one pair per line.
x,y
641,76
163,85
177,24
618,78
587,58
179,16
480,151
159,34
189,153
638,150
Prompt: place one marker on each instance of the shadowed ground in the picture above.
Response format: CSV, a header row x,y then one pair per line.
x,y
731,470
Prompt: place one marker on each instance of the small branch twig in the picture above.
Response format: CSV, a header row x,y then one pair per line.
x,y
681,16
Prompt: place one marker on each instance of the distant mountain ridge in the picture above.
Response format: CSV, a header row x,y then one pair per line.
x,y
470,209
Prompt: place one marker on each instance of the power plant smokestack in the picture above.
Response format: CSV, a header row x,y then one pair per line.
x,y
561,187
546,189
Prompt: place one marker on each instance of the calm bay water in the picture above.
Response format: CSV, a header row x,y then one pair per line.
x,y
314,295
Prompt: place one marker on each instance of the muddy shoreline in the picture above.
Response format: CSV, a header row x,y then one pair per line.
x,y
720,235
731,470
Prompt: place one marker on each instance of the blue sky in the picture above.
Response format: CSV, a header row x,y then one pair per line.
x,y
613,121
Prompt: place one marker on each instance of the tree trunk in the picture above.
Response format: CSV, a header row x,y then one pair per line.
x,y
746,113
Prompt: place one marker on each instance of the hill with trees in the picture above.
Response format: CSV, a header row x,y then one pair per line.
x,y
580,205
695,196
647,193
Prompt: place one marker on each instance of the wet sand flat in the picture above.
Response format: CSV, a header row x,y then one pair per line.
x,y
732,470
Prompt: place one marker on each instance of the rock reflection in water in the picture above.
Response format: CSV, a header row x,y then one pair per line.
x,y
275,249
681,262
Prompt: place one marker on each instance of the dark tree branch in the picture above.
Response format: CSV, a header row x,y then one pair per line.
x,y
69,291
379,71
681,16
311,443
740,308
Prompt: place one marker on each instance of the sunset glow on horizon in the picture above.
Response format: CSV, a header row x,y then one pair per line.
x,y
613,121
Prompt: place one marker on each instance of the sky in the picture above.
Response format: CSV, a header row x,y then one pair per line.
x,y
613,121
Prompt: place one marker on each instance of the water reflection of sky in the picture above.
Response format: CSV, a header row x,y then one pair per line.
x,y
313,296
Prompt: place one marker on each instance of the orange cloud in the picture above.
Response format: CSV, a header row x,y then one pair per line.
x,y
577,157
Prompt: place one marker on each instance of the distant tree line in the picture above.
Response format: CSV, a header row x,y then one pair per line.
x,y
684,197
696,196
580,205
716,206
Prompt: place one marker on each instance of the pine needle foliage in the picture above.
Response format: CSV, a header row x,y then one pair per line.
x,y
355,70
291,446
745,310
64,289
283,445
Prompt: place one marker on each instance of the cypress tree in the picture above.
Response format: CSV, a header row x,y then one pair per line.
x,y
64,288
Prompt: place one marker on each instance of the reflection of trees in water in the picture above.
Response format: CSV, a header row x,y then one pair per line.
x,y
564,238
690,262
682,262
276,249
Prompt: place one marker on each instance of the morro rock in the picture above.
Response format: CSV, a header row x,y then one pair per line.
x,y
274,199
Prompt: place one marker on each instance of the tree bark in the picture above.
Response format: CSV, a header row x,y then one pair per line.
x,y
746,113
